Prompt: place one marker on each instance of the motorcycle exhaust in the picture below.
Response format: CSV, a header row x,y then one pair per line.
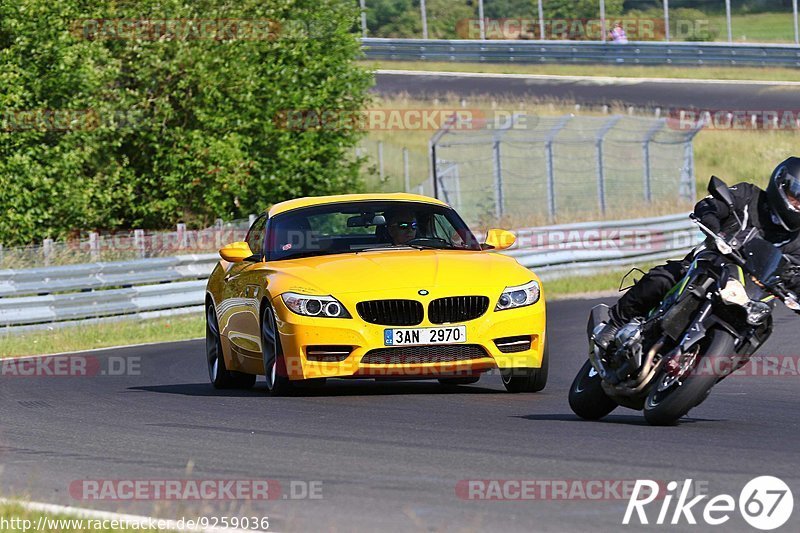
x,y
643,378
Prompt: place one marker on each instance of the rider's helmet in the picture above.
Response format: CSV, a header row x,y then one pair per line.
x,y
783,193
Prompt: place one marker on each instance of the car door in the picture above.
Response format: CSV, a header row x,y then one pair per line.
x,y
242,294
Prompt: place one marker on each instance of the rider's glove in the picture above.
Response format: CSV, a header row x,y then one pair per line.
x,y
793,296
791,278
711,222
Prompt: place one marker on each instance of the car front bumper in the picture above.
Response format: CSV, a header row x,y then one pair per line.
x,y
302,336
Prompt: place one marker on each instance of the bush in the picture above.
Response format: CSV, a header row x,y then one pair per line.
x,y
177,129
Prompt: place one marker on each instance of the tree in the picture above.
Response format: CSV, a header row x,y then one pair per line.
x,y
185,127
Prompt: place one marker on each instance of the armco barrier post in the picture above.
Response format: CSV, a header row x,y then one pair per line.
x,y
47,248
138,243
218,234
181,235
94,246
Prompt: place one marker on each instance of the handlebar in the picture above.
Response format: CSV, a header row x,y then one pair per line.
x,y
788,297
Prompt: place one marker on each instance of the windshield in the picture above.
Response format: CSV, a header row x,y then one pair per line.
x,y
351,227
763,259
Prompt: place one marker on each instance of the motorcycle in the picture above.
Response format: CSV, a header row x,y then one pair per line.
x,y
707,327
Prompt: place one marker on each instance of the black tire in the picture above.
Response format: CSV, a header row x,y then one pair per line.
x,y
277,380
664,408
469,380
218,374
527,379
587,399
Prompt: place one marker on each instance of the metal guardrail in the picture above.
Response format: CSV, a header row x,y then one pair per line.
x,y
583,52
49,297
93,276
573,249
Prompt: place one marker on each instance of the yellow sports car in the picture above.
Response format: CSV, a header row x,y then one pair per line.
x,y
372,286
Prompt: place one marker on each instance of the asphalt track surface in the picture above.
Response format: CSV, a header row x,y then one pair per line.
x,y
389,455
733,96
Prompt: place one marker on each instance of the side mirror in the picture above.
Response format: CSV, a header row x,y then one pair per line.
x,y
499,239
719,190
236,252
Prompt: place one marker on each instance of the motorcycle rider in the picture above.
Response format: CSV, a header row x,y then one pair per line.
x,y
776,212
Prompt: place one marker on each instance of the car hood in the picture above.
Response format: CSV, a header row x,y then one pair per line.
x,y
398,269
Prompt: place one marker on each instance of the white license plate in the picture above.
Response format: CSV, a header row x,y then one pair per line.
x,y
423,336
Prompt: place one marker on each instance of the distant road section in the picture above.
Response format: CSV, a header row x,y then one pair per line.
x,y
588,90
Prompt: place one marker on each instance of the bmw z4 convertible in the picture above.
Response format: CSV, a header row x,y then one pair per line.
x,y
381,286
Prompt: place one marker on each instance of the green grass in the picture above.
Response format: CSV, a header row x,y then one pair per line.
x,y
734,156
84,337
15,515
737,156
604,281
756,27
711,73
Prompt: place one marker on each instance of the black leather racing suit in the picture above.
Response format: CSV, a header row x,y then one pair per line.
x,y
748,198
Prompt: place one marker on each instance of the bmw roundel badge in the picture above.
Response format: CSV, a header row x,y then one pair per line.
x,y
422,292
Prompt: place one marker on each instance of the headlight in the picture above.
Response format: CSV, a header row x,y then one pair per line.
x,y
734,293
321,306
518,296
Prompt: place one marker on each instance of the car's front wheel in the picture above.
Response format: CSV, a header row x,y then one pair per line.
x,y
218,373
277,377
527,379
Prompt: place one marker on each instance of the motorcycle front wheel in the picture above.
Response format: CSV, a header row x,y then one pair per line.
x,y
586,396
671,398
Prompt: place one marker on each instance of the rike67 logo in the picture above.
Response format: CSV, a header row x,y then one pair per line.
x,y
765,502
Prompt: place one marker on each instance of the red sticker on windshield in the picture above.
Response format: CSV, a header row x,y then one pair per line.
x,y
286,247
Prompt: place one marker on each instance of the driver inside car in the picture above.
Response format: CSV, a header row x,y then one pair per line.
x,y
401,226
775,212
